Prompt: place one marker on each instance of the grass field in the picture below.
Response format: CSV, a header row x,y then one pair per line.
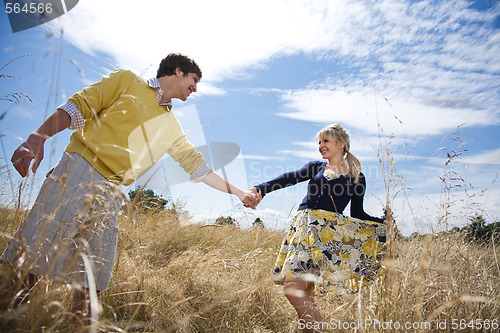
x,y
202,278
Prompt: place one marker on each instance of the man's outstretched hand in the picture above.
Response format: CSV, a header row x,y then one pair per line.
x,y
29,150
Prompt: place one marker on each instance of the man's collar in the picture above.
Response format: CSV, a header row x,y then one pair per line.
x,y
155,84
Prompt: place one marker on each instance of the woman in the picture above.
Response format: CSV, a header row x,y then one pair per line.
x,y
323,250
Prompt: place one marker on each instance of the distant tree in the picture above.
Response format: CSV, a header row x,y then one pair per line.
x,y
417,236
493,232
479,232
178,210
146,200
475,230
228,220
258,223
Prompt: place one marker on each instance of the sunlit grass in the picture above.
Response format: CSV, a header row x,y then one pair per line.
x,y
196,278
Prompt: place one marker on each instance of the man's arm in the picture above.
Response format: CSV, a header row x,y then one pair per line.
x,y
215,181
32,148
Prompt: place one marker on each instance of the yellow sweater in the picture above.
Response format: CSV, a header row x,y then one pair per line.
x,y
126,130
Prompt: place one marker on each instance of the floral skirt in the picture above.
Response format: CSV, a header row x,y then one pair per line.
x,y
335,252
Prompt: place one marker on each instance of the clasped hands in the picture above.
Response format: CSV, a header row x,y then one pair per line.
x,y
251,198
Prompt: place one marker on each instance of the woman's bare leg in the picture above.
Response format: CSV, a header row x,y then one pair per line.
x,y
300,293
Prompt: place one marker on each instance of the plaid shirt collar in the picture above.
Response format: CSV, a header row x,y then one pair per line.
x,y
153,83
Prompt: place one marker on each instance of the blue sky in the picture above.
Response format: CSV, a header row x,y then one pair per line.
x,y
420,79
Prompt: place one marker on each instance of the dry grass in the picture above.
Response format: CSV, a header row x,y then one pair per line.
x,y
194,278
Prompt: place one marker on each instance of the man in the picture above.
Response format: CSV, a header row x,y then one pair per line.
x,y
124,125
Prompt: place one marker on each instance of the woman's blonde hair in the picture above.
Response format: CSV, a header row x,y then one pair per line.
x,y
339,134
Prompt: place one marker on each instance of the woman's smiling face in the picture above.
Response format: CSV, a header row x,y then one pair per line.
x,y
329,148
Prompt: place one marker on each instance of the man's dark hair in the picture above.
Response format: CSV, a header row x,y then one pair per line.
x,y
171,62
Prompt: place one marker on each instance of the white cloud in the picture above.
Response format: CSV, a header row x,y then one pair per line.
x,y
484,158
430,51
305,154
224,36
362,112
260,157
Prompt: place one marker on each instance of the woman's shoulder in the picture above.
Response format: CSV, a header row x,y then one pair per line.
x,y
361,179
316,163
